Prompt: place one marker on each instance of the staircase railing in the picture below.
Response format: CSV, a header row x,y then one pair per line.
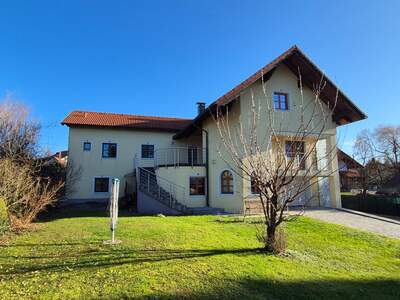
x,y
179,156
161,189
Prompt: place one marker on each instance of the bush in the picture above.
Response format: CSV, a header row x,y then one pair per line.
x,y
3,217
25,186
279,243
25,193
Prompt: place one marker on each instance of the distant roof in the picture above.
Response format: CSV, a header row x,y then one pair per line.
x,y
294,59
348,159
61,154
111,120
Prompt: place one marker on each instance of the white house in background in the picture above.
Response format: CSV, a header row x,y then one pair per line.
x,y
172,165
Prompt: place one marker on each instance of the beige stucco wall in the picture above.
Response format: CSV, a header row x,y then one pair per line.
x,y
130,141
229,202
179,177
287,122
93,165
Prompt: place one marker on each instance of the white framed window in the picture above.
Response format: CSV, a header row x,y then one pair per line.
x,y
226,183
296,150
87,146
254,187
109,150
281,101
147,151
197,185
101,185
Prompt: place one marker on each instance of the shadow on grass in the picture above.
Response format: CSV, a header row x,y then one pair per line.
x,y
52,244
80,211
227,220
106,257
290,289
240,219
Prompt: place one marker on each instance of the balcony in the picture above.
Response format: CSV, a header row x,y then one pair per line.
x,y
180,157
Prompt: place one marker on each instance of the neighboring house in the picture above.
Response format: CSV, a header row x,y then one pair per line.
x,y
348,171
174,164
60,158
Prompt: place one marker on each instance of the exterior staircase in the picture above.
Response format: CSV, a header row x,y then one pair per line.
x,y
148,184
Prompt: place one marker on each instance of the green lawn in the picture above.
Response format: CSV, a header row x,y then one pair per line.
x,y
195,257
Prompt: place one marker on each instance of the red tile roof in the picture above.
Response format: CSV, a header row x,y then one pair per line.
x,y
86,118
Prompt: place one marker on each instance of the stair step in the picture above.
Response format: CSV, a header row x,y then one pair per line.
x,y
163,196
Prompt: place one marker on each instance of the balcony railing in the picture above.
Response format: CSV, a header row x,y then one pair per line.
x,y
315,163
179,157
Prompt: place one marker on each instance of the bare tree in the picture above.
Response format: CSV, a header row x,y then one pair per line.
x,y
373,172
283,158
18,133
387,145
23,188
379,153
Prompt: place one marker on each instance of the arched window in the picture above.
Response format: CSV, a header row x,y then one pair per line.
x,y
255,189
226,182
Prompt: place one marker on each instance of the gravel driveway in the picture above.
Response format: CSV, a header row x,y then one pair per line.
x,y
366,222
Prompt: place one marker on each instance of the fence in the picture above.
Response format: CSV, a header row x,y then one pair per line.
x,y
374,204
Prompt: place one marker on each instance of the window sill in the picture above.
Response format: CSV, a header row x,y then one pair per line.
x,y
253,197
226,195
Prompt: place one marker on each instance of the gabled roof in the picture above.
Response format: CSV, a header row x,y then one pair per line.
x,y
345,112
60,154
351,162
111,120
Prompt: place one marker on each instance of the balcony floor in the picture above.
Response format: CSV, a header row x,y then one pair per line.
x,y
181,165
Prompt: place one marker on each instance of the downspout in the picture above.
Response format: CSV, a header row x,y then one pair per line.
x,y
207,172
207,177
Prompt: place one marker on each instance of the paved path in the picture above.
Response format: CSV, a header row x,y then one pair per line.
x,y
367,222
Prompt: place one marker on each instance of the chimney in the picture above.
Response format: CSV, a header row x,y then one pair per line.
x,y
201,107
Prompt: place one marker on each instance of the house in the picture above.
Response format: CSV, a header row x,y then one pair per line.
x,y
59,158
349,173
173,164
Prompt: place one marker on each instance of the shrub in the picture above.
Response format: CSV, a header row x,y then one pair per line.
x,y
26,186
3,217
280,241
24,192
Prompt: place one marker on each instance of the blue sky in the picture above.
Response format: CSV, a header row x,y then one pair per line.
x,y
160,57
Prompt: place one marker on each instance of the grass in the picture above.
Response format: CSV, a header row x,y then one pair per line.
x,y
203,257
3,217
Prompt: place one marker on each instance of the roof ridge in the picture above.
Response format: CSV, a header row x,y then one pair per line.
x,y
130,115
235,91
261,70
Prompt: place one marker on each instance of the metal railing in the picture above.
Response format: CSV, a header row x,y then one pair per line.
x,y
162,189
179,156
320,163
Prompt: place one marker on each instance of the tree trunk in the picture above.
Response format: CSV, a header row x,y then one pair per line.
x,y
364,194
270,241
